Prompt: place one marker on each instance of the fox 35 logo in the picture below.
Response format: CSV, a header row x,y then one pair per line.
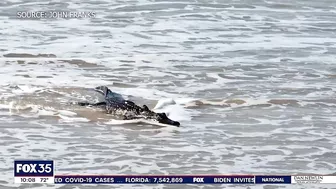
x,y
34,168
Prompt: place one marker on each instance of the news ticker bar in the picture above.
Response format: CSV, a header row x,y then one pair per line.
x,y
42,171
177,179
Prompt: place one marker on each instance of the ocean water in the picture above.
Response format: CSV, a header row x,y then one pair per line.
x,y
253,83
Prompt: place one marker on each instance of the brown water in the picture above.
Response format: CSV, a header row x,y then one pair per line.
x,y
252,83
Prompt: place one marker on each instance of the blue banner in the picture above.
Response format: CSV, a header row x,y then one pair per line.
x,y
153,179
33,168
273,179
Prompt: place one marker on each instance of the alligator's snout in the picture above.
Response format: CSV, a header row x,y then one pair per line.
x,y
162,118
176,123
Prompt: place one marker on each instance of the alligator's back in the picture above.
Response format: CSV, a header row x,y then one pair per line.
x,y
117,105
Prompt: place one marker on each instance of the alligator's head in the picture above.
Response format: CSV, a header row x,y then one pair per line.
x,y
162,118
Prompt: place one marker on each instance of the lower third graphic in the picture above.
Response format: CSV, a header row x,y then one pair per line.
x,y
34,171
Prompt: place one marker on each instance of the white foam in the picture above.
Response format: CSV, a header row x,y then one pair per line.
x,y
307,118
41,111
44,112
184,101
164,102
133,121
15,105
5,106
145,93
73,119
176,112
67,113
263,121
24,89
121,122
